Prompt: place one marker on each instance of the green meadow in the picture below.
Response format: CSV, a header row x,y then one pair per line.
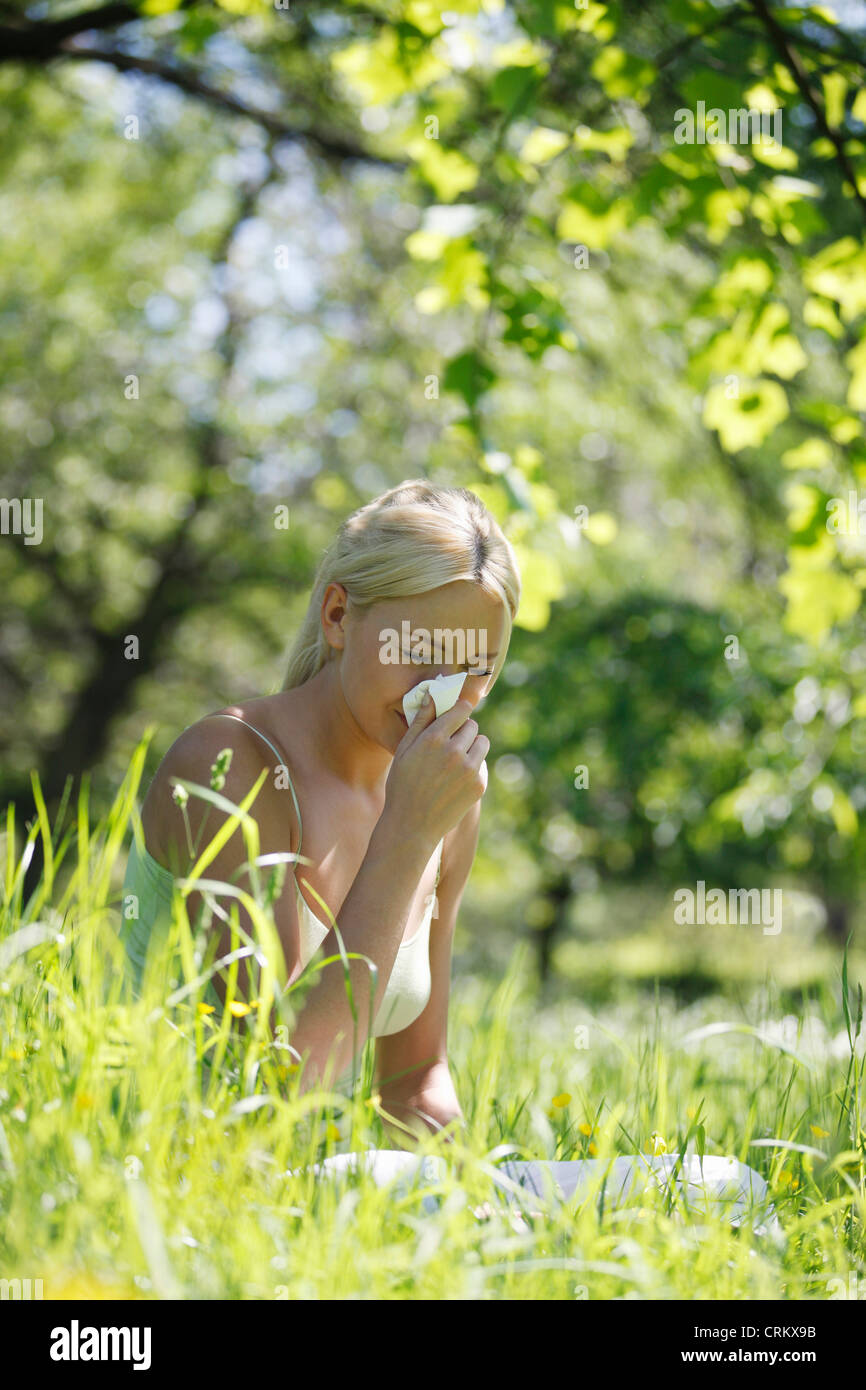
x,y
150,1148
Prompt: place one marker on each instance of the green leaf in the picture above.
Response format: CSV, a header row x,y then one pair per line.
x,y
510,86
623,74
383,69
614,143
588,219
542,144
542,584
812,453
748,419
818,597
460,277
835,88
447,171
469,376
839,272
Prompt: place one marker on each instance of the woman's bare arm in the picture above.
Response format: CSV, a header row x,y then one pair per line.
x,y
372,921
373,917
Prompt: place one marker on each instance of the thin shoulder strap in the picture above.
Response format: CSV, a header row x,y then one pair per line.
x,y
282,761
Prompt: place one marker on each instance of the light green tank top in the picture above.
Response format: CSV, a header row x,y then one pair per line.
x,y
148,887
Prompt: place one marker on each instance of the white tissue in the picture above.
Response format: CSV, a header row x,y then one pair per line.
x,y
445,691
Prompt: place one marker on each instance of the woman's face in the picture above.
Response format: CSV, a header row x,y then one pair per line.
x,y
457,627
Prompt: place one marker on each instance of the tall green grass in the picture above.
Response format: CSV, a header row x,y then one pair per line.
x,y
149,1148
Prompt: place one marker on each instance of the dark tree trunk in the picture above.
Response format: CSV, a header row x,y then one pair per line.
x,y
558,893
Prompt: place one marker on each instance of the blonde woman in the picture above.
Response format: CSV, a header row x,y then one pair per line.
x,y
384,813
387,815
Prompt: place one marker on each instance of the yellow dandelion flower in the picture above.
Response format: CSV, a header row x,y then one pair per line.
x,y
785,1177
84,1100
204,1008
585,1129
657,1144
561,1100
17,1054
592,1150
691,1111
333,1132
237,1009
820,1133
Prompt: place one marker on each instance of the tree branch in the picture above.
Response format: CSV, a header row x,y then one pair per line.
x,y
791,58
29,42
331,146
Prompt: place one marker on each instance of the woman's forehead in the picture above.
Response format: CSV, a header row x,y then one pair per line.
x,y
461,601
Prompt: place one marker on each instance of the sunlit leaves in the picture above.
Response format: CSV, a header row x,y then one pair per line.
x,y
460,276
449,172
817,313
519,53
747,419
590,219
782,209
615,143
835,86
601,528
535,318
818,596
756,342
542,144
841,808
594,19
623,74
840,424
839,272
812,453
388,66
542,584
749,276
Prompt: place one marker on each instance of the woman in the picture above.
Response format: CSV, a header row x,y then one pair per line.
x,y
387,814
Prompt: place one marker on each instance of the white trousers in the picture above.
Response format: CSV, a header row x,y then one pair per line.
x,y
718,1185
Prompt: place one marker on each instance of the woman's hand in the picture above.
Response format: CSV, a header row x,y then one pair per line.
x,y
438,772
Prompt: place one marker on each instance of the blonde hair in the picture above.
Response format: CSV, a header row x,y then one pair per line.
x,y
411,539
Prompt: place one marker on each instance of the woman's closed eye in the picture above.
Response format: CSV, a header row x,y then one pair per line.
x,y
469,669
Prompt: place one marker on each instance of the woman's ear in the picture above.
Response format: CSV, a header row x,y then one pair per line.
x,y
335,609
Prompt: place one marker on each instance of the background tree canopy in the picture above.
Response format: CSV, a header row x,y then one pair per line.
x,y
261,262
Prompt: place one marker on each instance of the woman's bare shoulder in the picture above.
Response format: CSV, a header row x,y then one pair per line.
x,y
192,756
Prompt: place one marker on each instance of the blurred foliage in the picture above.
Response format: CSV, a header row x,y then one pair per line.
x,y
261,262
